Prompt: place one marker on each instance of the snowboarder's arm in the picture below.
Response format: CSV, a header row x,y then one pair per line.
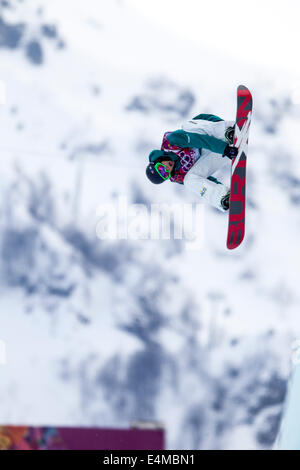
x,y
185,139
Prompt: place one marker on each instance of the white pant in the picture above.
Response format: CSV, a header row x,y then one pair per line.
x,y
209,162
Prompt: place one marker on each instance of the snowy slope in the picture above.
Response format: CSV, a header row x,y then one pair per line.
x,y
105,333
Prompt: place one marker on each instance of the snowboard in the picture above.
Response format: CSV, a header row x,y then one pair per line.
x,y
237,204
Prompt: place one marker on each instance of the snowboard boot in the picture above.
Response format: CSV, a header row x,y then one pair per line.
x,y
229,135
225,201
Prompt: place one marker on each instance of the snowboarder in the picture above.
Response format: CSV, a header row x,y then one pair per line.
x,y
191,156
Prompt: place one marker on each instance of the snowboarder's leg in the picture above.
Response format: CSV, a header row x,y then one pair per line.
x,y
215,129
196,179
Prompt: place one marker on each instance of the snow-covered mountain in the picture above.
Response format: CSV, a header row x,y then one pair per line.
x,y
108,332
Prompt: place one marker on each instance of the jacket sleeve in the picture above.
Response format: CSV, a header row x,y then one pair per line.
x,y
185,139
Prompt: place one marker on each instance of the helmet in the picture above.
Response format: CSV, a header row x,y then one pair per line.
x,y
152,174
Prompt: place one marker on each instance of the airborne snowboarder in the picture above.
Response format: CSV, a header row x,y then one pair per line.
x,y
191,156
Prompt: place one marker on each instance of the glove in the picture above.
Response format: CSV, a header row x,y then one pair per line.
x,y
230,152
225,201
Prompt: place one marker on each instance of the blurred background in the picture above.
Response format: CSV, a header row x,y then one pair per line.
x,y
103,333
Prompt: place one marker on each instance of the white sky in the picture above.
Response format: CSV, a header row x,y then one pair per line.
x,y
266,31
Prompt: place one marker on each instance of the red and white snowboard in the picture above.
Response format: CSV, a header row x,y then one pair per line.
x,y
237,207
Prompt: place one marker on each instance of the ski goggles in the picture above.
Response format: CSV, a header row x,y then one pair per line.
x,y
162,171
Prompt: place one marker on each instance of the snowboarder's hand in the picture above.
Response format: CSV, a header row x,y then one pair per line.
x,y
230,152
